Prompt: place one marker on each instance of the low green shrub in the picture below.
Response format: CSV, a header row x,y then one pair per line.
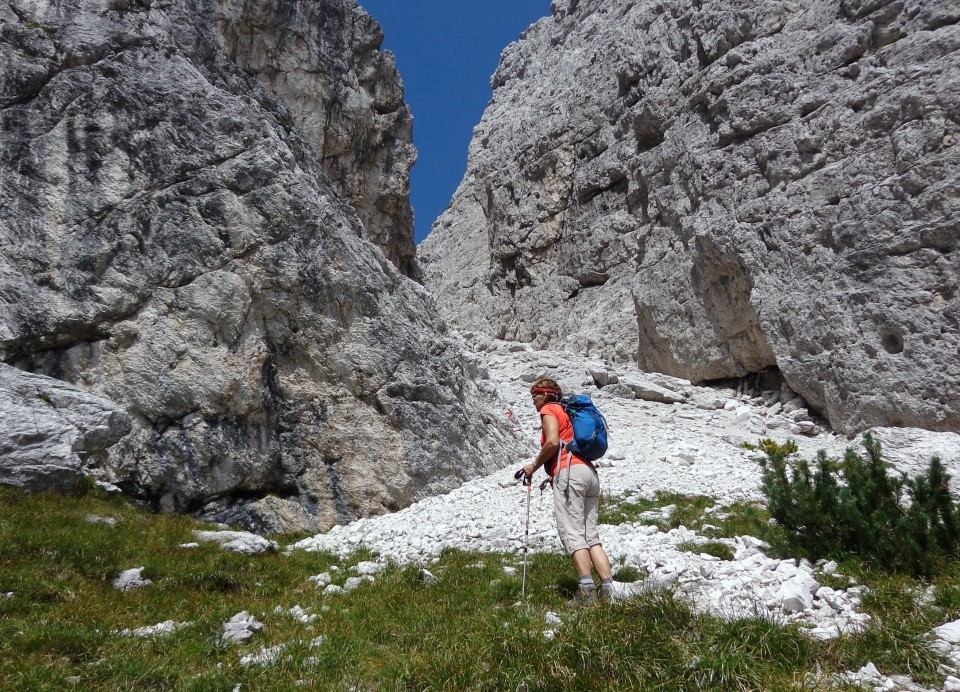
x,y
854,507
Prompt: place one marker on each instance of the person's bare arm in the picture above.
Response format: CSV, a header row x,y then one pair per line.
x,y
551,444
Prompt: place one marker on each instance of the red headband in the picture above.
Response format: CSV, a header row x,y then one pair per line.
x,y
545,390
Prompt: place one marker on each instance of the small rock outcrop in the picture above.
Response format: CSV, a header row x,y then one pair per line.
x,y
132,579
241,628
53,434
713,190
239,541
203,218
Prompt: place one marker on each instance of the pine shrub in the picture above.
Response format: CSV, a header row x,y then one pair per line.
x,y
854,506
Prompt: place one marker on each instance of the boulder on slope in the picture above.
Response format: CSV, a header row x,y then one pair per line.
x,y
53,435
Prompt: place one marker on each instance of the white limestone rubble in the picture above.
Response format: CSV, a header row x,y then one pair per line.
x,y
676,447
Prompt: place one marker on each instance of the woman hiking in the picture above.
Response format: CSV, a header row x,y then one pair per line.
x,y
576,495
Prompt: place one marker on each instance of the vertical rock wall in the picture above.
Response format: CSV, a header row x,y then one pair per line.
x,y
715,189
344,97
172,240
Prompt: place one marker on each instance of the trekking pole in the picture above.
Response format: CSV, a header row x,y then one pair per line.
x,y
526,533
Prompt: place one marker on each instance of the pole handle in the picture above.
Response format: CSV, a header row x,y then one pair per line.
x,y
521,475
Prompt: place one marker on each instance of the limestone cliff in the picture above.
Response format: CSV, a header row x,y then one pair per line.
x,y
191,195
717,189
344,97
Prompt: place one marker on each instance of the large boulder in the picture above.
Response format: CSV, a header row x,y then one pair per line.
x,y
172,240
712,190
52,435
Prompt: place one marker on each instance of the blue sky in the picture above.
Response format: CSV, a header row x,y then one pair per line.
x,y
447,51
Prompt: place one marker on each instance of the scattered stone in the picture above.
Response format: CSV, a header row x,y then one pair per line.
x,y
602,377
354,582
160,629
927,597
869,672
297,613
321,579
663,513
949,632
239,541
619,390
797,404
131,579
368,568
649,391
264,657
822,633
795,596
241,628
106,521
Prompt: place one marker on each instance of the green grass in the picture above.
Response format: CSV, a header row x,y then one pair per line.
x,y
715,548
689,510
466,631
628,574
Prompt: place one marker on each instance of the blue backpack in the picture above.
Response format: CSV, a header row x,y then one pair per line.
x,y
589,427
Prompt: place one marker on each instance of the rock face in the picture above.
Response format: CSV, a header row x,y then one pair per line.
x,y
51,433
717,189
173,240
344,97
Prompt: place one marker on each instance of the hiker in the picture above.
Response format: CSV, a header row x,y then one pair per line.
x,y
576,496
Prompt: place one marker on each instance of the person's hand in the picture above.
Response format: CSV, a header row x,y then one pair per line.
x,y
528,471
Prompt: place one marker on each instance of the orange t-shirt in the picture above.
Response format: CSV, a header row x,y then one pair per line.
x,y
566,435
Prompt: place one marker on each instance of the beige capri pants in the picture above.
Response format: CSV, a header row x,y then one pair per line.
x,y
577,514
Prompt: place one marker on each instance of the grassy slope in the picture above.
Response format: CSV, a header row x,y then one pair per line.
x,y
465,631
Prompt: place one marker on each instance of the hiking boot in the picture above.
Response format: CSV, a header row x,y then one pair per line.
x,y
585,597
605,594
